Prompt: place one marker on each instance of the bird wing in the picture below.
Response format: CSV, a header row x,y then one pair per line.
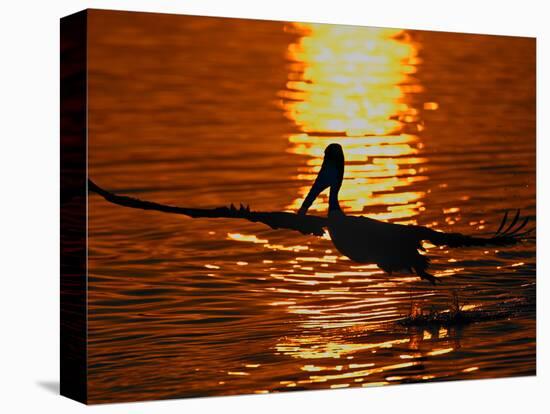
x,y
508,233
305,224
315,225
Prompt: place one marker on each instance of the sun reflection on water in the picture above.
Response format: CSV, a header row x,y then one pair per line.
x,y
353,85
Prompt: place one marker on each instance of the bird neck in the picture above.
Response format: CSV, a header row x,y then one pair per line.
x,y
333,204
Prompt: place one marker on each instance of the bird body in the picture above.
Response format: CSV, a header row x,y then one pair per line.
x,y
393,247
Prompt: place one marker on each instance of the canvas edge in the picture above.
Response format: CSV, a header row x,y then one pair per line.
x,y
73,208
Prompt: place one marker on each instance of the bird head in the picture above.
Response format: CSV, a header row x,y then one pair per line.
x,y
331,175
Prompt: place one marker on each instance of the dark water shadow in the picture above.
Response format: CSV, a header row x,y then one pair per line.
x,y
51,386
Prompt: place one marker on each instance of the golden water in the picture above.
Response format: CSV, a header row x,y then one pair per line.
x,y
438,129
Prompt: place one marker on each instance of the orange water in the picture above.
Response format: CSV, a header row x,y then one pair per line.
x,y
438,129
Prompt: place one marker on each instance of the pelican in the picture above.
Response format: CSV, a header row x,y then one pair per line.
x,y
392,247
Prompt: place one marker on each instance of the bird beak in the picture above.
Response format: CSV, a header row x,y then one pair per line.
x,y
321,183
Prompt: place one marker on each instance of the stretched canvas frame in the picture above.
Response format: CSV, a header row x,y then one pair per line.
x,y
308,343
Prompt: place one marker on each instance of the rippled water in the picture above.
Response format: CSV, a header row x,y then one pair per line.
x,y
438,129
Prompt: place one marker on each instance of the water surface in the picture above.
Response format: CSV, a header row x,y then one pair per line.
x,y
438,129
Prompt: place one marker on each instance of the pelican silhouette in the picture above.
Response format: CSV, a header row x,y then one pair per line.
x,y
393,247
